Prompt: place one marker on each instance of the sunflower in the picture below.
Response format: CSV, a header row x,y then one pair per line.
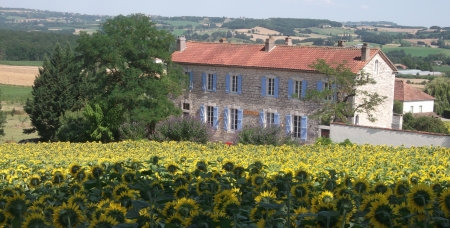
x,y
437,188
444,202
228,166
258,213
4,217
74,168
380,187
179,180
360,186
103,221
17,205
238,171
231,207
342,190
81,176
381,214
207,186
35,220
172,168
216,175
175,220
257,180
58,177
330,184
266,197
216,216
324,197
96,171
119,189
300,192
129,176
169,209
8,192
401,188
117,167
201,166
325,221
302,175
345,205
181,192
78,199
187,207
67,215
301,211
369,199
34,181
420,198
403,211
116,211
3,202
414,178
46,199
261,223
75,187
125,198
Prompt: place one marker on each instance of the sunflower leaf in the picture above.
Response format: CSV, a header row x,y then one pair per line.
x,y
126,225
132,214
139,204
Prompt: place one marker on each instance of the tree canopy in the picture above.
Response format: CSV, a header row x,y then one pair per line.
x,y
439,88
337,97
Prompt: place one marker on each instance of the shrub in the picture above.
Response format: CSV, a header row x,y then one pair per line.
x,y
133,131
182,128
346,142
424,123
398,107
446,114
73,128
257,135
323,141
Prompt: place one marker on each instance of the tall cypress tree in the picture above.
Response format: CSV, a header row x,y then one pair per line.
x,y
56,89
2,120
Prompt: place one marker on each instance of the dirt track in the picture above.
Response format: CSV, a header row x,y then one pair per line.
x,y
18,75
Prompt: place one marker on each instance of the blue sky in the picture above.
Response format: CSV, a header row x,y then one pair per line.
x,y
402,12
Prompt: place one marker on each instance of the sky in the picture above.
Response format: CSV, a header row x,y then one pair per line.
x,y
402,12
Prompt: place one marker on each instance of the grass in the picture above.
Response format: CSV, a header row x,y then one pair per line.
x,y
15,94
333,31
184,23
417,51
444,68
178,32
22,63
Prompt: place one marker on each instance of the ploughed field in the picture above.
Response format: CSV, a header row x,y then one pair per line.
x,y
185,184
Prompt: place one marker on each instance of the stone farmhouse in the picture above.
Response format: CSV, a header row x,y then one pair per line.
x,y
233,85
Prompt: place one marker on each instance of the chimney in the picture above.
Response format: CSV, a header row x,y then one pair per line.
x,y
181,43
365,52
288,41
270,43
341,43
223,40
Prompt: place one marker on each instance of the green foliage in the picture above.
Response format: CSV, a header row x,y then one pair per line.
x,y
103,121
2,119
257,135
336,99
439,88
424,123
323,141
446,113
133,131
55,90
15,94
184,128
398,107
346,142
121,61
74,128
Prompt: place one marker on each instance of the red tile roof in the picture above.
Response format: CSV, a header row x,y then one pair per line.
x,y
405,92
280,57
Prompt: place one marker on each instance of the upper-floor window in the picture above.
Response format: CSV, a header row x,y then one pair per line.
x,y
269,86
325,85
297,88
209,81
376,67
233,84
190,77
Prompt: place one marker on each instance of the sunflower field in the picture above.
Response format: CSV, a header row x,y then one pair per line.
x,y
175,184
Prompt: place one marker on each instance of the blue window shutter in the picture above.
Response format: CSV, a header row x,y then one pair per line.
x,y
261,118
277,80
239,84
216,117
304,88
319,85
333,86
290,88
276,119
263,86
191,80
225,118
288,124
240,119
227,83
204,81
214,82
304,128
202,113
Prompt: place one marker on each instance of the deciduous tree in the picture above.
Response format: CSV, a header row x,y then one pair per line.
x,y
336,99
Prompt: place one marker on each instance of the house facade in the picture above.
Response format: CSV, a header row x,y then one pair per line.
x,y
414,100
233,85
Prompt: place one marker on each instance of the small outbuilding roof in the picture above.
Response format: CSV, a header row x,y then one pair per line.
x,y
405,92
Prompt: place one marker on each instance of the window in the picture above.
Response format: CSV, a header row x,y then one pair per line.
x,y
420,108
209,114
186,106
209,82
321,85
233,118
269,86
297,126
233,84
297,88
191,79
269,118
376,67
411,109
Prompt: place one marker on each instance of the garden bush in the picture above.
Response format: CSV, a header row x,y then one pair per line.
x,y
133,131
182,128
446,114
257,135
